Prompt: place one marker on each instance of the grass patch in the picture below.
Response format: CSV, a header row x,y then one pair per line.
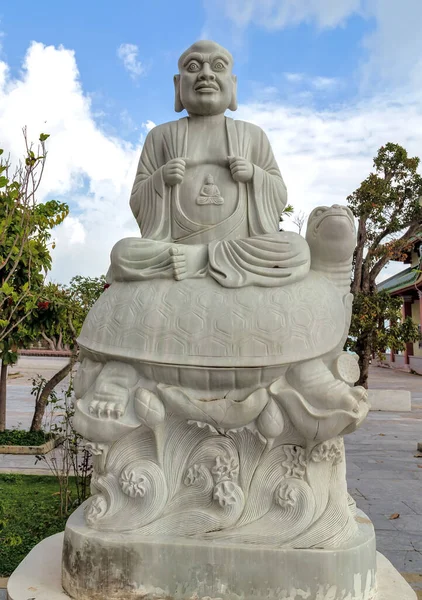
x,y
17,437
29,512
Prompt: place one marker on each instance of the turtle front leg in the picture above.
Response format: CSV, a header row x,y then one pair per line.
x,y
112,390
314,380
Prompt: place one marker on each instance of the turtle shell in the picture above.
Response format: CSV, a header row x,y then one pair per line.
x,y
198,323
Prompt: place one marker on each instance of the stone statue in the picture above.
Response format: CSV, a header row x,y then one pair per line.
x,y
234,237
213,387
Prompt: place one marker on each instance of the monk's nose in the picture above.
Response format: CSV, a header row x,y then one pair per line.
x,y
206,72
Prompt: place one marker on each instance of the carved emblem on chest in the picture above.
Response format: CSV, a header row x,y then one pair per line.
x,y
210,194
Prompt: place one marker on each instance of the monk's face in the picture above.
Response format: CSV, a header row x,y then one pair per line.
x,y
206,80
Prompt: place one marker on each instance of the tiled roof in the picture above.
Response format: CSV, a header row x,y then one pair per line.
x,y
401,280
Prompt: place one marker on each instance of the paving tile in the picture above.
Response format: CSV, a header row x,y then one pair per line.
x,y
410,523
388,479
412,562
391,506
399,541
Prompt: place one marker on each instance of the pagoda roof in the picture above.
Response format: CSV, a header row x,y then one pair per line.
x,y
401,281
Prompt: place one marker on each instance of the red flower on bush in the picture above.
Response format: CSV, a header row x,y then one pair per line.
x,y
43,305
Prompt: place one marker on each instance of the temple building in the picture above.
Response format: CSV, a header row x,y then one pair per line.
x,y
408,285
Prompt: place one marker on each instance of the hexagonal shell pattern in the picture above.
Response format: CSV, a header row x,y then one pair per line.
x,y
198,322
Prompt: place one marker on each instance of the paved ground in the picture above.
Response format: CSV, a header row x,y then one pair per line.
x,y
384,471
384,474
385,477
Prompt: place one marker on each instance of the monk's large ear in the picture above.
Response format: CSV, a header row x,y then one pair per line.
x,y
178,106
233,103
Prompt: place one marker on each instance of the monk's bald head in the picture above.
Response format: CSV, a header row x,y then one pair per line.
x,y
205,84
206,48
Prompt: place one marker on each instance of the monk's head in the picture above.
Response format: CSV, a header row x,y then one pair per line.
x,y
205,84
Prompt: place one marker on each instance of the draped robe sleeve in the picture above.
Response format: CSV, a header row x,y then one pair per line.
x,y
268,257
267,192
150,199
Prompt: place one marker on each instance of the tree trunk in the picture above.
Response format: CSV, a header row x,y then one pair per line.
x,y
358,257
364,352
48,388
59,345
3,395
49,341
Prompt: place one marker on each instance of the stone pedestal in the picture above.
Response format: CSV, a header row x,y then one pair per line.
x,y
111,565
39,576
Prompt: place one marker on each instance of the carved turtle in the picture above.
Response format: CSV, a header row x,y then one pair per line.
x,y
217,343
197,323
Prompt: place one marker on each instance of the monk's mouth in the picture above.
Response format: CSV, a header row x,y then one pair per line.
x,y
206,89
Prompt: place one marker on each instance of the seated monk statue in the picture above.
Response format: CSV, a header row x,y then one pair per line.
x,y
208,193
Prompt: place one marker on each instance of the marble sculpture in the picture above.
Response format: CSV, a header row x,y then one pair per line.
x,y
213,386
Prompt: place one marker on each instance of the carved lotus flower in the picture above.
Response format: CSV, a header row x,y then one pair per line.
x,y
225,468
295,461
286,495
96,448
270,422
330,451
193,474
225,493
95,509
132,485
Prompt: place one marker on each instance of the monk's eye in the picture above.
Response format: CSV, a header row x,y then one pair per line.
x,y
193,67
219,66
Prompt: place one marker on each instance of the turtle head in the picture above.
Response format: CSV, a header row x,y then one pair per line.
x,y
331,233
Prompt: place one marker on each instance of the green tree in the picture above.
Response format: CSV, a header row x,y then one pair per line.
x,y
25,257
288,211
60,316
388,207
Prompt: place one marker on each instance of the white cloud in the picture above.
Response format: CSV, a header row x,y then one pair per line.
x,y
324,83
324,155
128,54
85,167
277,14
294,77
319,82
395,48
3,74
148,125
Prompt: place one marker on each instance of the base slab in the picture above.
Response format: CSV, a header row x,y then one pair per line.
x,y
98,565
390,400
38,577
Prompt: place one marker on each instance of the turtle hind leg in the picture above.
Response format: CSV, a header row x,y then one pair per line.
x,y
112,390
314,380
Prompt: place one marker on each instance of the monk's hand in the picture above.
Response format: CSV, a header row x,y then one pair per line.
x,y
174,171
241,169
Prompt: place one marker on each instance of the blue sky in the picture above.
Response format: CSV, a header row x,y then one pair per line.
x,y
329,81
94,30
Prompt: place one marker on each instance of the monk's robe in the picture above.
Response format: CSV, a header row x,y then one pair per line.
x,y
244,246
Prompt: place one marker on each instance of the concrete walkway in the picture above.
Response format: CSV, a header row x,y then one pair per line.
x,y
384,470
384,473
